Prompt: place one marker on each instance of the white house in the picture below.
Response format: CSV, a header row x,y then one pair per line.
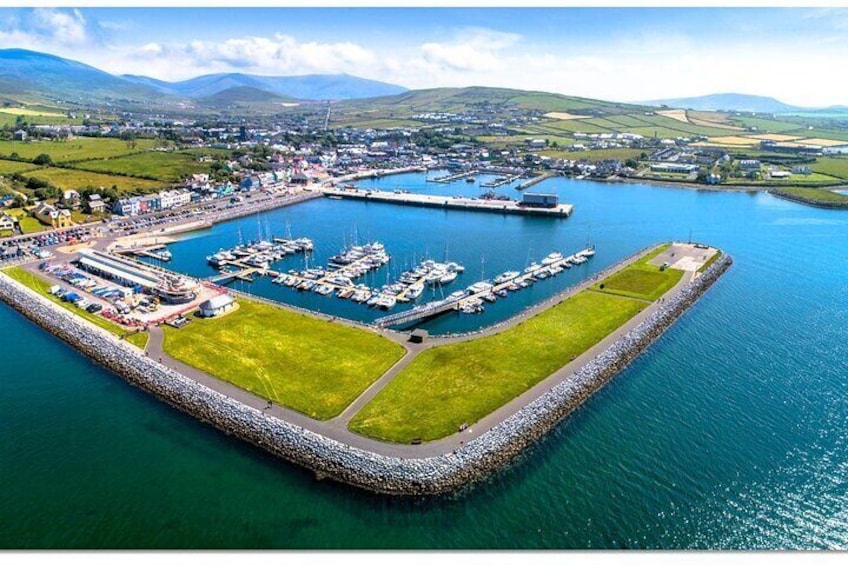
x,y
217,305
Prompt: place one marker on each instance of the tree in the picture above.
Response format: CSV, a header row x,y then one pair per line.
x,y
43,159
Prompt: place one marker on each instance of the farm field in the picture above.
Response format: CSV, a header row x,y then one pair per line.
x,y
73,179
9,167
834,166
76,149
165,166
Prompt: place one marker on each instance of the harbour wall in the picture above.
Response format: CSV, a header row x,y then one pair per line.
x,y
328,457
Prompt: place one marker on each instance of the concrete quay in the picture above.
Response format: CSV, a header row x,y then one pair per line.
x,y
450,202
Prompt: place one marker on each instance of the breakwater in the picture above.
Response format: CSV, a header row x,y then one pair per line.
x,y
334,459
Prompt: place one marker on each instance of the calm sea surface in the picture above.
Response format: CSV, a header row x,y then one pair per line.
x,y
729,432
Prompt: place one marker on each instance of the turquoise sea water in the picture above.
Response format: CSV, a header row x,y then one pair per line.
x,y
729,432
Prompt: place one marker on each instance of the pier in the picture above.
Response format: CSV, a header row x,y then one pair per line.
x,y
158,251
501,181
535,180
433,309
451,202
450,178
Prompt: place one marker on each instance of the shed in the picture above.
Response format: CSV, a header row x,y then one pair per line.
x,y
217,305
418,336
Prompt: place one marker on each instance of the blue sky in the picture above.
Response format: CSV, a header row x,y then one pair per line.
x,y
618,54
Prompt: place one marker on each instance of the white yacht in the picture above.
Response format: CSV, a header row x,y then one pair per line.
x,y
552,258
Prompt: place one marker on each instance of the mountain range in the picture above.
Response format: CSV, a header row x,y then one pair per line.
x,y
739,103
34,75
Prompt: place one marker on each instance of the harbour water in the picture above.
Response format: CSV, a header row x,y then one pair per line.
x,y
729,432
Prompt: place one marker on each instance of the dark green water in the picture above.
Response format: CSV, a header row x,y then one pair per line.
x,y
728,433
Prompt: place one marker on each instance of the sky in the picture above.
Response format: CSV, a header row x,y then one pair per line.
x,y
797,55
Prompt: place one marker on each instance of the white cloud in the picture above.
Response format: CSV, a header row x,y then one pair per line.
x,y
473,49
638,65
63,26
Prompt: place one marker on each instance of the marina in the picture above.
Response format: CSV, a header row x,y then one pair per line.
x,y
740,308
470,300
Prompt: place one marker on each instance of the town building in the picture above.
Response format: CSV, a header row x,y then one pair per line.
x,y
50,215
217,305
7,222
96,204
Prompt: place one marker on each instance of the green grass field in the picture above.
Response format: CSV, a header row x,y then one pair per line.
x,y
31,225
9,167
77,149
166,166
709,262
833,166
315,367
641,280
815,196
445,387
67,179
41,286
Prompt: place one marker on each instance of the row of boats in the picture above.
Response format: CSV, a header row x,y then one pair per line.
x,y
260,254
471,300
343,268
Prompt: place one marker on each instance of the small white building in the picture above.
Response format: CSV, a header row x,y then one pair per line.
x,y
217,305
7,222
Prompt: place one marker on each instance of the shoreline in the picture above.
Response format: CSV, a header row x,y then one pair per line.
x,y
331,458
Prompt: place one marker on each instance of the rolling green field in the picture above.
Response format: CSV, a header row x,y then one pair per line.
x,y
76,149
445,387
68,179
9,167
41,286
641,280
313,366
166,166
10,119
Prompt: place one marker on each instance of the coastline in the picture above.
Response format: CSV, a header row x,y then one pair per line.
x,y
333,459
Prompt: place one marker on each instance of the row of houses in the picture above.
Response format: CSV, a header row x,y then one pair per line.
x,y
164,200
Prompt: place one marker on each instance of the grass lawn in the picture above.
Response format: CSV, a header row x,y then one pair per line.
x,y
165,166
67,179
76,149
447,386
709,262
41,286
641,280
312,366
31,225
